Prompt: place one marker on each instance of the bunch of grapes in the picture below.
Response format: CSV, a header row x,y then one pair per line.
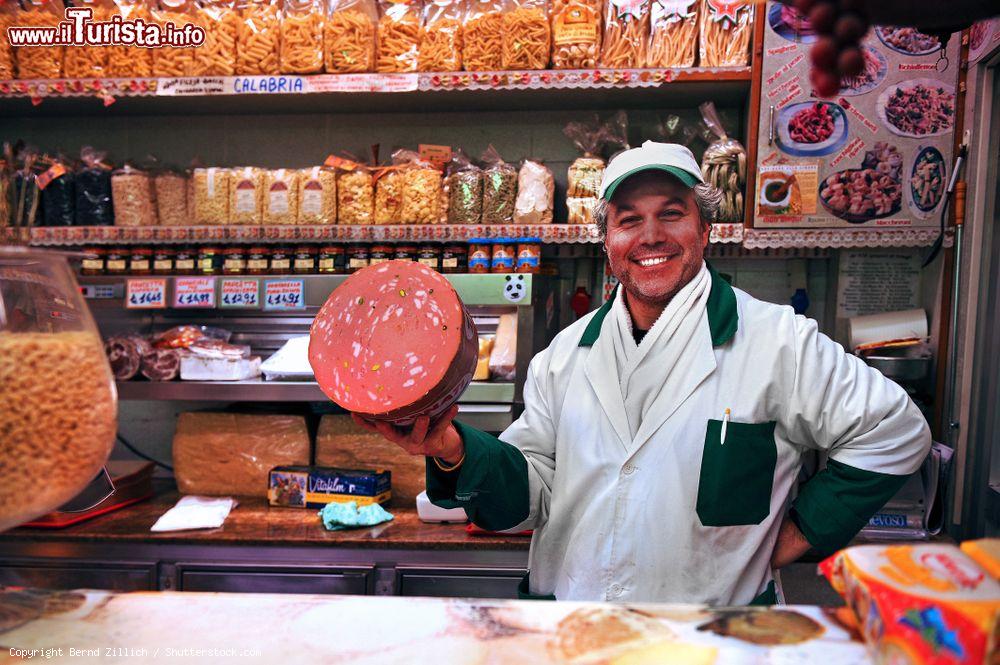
x,y
841,25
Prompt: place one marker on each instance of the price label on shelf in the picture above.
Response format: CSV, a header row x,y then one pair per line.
x,y
146,294
194,292
283,294
241,293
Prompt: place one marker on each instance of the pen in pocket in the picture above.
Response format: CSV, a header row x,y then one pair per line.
x,y
725,424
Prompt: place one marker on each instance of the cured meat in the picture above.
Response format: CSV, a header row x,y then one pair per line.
x,y
394,342
125,355
161,364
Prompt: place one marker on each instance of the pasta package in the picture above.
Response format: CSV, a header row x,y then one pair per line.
x,y
527,35
302,37
246,196
441,44
580,210
210,199
281,196
585,173
217,56
39,63
355,195
464,185
626,32
258,37
133,197
482,36
171,198
421,193
724,165
399,30
169,61
7,70
673,33
576,33
388,196
725,42
499,188
130,61
80,62
317,196
349,36
535,194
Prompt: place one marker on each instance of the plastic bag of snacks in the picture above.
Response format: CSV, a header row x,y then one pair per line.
x,y
217,56
8,11
258,37
92,190
482,36
585,173
465,190
130,61
302,36
281,196
81,62
673,33
535,194
399,29
441,44
355,192
169,61
499,188
317,196
527,35
56,184
616,134
210,202
389,195
919,603
349,36
34,62
171,188
25,197
133,197
246,195
421,193
626,32
724,165
576,33
725,43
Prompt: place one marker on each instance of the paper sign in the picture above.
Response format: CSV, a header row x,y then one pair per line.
x,y
244,293
146,294
192,292
438,155
872,281
284,294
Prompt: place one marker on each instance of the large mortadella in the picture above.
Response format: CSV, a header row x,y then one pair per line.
x,y
394,342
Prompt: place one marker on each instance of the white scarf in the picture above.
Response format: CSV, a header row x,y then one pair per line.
x,y
656,363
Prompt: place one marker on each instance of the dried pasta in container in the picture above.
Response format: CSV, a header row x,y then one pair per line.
x,y
173,61
93,189
81,62
421,194
535,194
464,185
130,61
33,62
441,44
673,33
210,199
388,196
217,56
302,37
258,37
349,36
7,69
399,30
246,195
482,36
133,197
576,33
499,188
725,43
724,165
171,198
527,35
317,196
626,32
355,195
585,173
281,196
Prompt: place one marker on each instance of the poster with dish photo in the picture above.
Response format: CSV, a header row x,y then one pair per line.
x,y
876,154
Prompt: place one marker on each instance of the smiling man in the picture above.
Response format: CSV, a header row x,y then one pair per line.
x,y
662,435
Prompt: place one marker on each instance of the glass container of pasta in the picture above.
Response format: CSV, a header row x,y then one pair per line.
x,y
58,405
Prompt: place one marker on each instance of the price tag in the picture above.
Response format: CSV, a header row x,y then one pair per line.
x,y
242,293
438,155
194,292
146,294
284,294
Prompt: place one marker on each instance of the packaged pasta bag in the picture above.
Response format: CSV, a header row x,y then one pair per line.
x,y
246,195
355,191
317,196
421,193
25,198
535,194
133,197
258,37
171,186
7,69
527,35
615,132
482,35
349,36
499,188
399,29
389,191
35,62
171,61
281,196
80,62
584,175
210,197
626,33
726,28
724,165
673,33
464,185
217,56
576,33
130,61
441,44
56,185
302,36
92,190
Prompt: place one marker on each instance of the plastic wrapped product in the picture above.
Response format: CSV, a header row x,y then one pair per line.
x,y
389,197
5,197
355,196
56,185
25,195
93,190
171,61
81,62
527,35
317,196
8,11
586,171
483,362
171,197
626,33
211,195
673,33
421,195
576,33
535,193
160,364
399,30
281,196
349,36
503,356
302,36
125,355
133,196
130,61
217,56
482,36
725,43
499,189
34,62
246,195
580,210
724,165
258,37
441,43
465,191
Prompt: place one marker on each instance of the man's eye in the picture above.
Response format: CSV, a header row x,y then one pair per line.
x,y
671,215
629,221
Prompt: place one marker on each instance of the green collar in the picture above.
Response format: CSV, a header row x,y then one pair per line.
x,y
723,319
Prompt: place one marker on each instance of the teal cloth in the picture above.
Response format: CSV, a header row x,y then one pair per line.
x,y
337,516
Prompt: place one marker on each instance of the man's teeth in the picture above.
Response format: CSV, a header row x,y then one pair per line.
x,y
652,262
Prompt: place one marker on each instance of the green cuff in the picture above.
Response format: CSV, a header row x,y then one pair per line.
x,y
767,597
838,502
524,590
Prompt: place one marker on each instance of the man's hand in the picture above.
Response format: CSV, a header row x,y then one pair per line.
x,y
440,440
790,546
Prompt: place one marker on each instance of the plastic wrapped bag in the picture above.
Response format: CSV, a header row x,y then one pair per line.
x,y
171,197
421,193
441,44
355,192
8,14
626,33
482,36
399,30
724,165
616,134
56,185
535,193
217,56
130,61
527,35
584,175
281,196
89,61
576,33
503,355
246,195
170,61
499,188
210,195
723,42
465,190
25,197
93,190
389,195
133,196
258,37
35,62
302,36
673,33
349,36
317,196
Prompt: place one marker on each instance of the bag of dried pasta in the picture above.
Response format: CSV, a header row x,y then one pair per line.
x,y
130,61
317,196
281,196
7,70
210,195
576,33
217,56
725,42
464,185
482,35
349,36
673,33
258,37
302,37
399,29
389,195
171,61
527,35
355,191
420,191
626,32
585,173
80,62
133,197
535,194
499,188
36,62
171,187
441,44
246,195
724,165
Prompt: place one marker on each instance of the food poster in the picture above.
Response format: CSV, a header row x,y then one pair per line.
x,y
877,154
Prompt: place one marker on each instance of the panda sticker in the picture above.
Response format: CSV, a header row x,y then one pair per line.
x,y
514,288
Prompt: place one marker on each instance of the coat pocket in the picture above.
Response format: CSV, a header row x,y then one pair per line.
x,y
734,486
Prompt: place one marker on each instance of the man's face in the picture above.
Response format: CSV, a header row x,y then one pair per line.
x,y
655,238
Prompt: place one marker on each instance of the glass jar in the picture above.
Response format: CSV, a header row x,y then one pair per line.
x,y
380,254
258,259
234,261
529,255
93,264
305,260
184,261
480,256
281,261
140,261
502,256
50,354
163,260
406,252
430,256
332,260
116,261
454,258
209,260
357,257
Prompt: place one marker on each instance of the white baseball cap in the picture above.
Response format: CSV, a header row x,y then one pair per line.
x,y
673,158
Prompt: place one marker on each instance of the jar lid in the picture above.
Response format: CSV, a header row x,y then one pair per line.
x,y
234,250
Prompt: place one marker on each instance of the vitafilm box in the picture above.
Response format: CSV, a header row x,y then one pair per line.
x,y
316,486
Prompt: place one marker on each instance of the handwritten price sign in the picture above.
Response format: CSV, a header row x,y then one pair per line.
x,y
282,294
242,293
145,294
194,292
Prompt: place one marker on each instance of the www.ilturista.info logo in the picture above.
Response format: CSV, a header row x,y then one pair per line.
x,y
80,30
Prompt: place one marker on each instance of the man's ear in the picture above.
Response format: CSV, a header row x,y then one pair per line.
x,y
706,234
